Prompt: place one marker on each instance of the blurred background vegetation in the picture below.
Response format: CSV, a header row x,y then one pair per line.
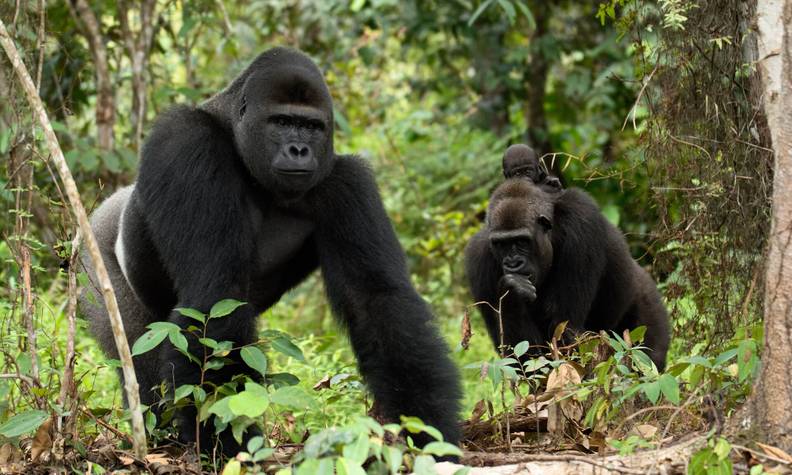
x,y
646,105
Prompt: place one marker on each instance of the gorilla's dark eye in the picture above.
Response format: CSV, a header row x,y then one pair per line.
x,y
281,121
243,107
545,222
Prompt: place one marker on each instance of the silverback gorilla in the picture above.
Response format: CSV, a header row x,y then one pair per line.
x,y
560,260
243,197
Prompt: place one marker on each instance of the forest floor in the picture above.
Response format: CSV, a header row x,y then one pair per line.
x,y
531,449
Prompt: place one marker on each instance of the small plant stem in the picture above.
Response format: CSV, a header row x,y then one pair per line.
x,y
56,153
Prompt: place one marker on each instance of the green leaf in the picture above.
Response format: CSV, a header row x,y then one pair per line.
x,y
208,342
182,391
441,449
222,410
670,388
521,348
722,448
192,313
415,426
233,467
357,452
255,443
22,424
247,404
508,9
178,340
348,467
393,457
148,341
224,307
479,11
254,357
637,334
652,391
424,465
285,346
292,396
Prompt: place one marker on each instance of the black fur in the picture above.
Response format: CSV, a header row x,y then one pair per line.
x,y
571,264
242,198
521,160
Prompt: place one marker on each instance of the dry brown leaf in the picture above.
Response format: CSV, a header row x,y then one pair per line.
x,y
125,459
42,441
478,410
323,383
466,331
627,338
572,409
158,457
645,431
775,452
563,376
5,453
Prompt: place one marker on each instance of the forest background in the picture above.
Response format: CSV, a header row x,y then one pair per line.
x,y
653,108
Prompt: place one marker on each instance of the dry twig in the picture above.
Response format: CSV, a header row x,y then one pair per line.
x,y
131,385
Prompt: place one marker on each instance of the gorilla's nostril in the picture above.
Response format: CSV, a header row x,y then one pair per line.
x,y
514,263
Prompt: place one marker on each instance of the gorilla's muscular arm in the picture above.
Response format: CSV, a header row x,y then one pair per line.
x,y
195,214
401,355
486,284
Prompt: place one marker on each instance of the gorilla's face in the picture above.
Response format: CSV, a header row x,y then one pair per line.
x,y
284,130
520,223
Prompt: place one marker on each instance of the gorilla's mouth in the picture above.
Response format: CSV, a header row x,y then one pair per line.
x,y
294,172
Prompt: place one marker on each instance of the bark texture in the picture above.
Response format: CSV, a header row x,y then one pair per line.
x,y
771,404
105,98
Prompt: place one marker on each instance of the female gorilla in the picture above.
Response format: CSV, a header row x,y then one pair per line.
x,y
243,197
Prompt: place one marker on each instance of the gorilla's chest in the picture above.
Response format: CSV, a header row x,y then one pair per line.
x,y
280,237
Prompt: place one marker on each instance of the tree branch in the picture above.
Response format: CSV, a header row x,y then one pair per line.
x,y
131,385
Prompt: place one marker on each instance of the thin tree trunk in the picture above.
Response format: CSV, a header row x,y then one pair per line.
x,y
138,47
130,380
771,404
535,80
105,99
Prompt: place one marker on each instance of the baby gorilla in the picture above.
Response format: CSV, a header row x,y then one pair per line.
x,y
522,161
544,258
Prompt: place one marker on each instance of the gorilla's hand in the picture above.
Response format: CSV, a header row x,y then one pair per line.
x,y
520,285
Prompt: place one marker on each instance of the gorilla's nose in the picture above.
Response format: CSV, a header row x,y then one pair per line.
x,y
298,150
513,263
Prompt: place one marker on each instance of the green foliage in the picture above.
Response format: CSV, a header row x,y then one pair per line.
x,y
361,447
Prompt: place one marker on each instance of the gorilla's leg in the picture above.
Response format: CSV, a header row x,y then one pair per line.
x,y
648,310
105,224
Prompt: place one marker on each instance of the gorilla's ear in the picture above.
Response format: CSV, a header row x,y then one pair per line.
x,y
545,222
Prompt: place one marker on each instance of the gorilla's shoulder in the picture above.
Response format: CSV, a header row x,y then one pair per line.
x,y
182,134
576,202
350,172
350,183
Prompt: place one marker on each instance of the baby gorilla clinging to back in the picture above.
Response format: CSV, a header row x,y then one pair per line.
x,y
521,160
559,259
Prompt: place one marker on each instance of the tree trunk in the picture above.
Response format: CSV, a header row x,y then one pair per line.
x,y
770,408
105,98
138,47
535,80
